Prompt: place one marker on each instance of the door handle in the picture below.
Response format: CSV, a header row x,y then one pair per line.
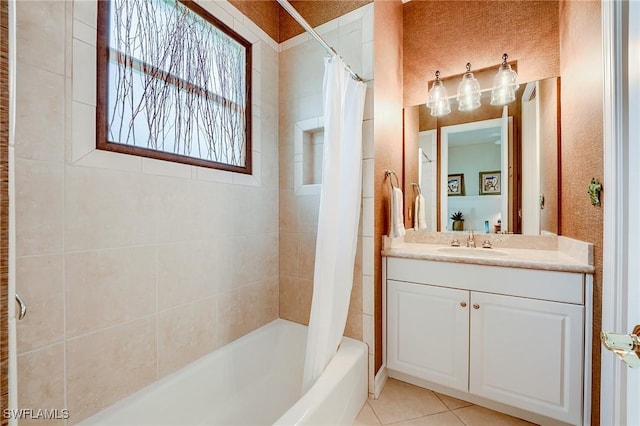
x,y
625,346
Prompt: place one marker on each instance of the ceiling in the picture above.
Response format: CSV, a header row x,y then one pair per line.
x,y
474,137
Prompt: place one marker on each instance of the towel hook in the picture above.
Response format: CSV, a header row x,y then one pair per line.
x,y
417,186
390,174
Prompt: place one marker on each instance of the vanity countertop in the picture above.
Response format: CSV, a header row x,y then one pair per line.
x,y
550,260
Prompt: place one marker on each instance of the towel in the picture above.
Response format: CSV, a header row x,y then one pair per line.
x,y
396,228
419,216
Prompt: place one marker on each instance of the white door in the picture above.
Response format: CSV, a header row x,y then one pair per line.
x,y
506,171
427,332
620,390
528,353
530,139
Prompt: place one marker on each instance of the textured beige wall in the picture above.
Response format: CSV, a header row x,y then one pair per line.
x,y
265,13
130,268
581,155
387,132
280,26
445,35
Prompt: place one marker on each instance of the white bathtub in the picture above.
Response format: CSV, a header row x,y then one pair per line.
x,y
253,381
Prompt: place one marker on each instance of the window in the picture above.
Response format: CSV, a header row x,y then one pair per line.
x,y
174,83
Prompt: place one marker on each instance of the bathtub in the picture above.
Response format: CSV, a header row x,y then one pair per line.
x,y
255,380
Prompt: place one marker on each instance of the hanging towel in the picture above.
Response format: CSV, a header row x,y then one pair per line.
x,y
419,217
396,228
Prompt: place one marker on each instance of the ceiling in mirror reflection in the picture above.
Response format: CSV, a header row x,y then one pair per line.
x,y
475,137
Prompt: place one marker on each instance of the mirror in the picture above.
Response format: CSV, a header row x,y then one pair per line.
x,y
497,165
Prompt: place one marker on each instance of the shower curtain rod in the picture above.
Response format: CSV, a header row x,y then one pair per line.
x,y
295,15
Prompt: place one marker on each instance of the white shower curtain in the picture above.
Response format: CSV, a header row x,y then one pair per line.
x,y
340,200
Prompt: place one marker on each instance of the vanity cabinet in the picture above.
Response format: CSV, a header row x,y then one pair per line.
x,y
491,333
428,332
527,353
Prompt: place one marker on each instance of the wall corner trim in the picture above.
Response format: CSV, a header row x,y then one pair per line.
x,y
380,381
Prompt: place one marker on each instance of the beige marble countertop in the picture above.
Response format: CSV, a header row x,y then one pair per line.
x,y
551,260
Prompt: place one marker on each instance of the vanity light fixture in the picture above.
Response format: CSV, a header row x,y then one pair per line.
x,y
438,99
505,84
468,91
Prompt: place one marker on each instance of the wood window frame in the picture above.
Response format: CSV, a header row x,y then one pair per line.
x,y
102,113
4,205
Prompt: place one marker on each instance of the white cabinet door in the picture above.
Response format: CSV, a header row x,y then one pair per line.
x,y
428,332
528,353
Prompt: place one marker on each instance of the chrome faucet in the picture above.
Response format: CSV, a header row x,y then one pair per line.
x,y
471,242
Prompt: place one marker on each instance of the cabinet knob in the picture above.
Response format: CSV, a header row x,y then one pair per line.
x,y
463,304
476,306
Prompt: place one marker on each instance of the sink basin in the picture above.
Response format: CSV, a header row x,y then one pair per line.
x,y
473,252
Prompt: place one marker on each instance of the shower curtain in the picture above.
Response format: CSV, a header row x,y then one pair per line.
x,y
340,200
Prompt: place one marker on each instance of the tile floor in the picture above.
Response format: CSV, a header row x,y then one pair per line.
x,y
404,404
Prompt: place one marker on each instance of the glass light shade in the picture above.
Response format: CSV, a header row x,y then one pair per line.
x,y
468,92
505,84
438,98
441,108
502,95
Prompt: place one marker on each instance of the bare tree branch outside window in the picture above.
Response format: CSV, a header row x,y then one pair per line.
x,y
177,84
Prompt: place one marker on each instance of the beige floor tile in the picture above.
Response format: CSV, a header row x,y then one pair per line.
x,y
480,416
451,402
441,419
401,401
366,417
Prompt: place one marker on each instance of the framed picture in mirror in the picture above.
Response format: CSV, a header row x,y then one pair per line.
x,y
455,184
490,183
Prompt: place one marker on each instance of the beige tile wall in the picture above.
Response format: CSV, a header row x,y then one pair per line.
x,y
301,74
130,268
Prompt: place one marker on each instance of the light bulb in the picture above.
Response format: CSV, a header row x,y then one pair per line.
x,y
438,98
505,84
468,92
